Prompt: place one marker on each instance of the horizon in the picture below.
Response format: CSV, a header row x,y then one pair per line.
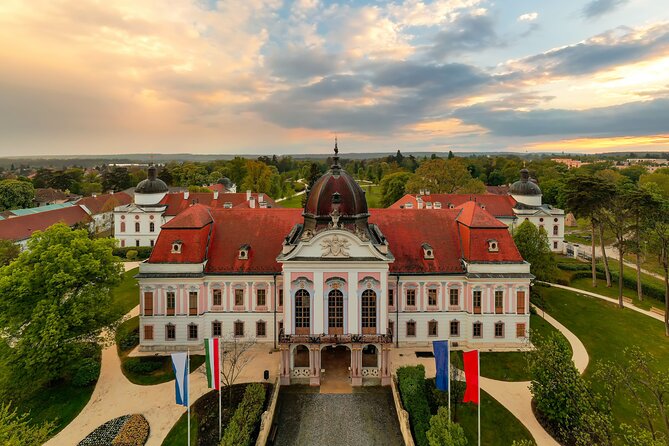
x,y
285,77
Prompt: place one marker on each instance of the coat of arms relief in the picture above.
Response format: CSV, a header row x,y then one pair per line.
x,y
335,247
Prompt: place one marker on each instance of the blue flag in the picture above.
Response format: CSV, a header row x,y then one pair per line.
x,y
180,367
442,360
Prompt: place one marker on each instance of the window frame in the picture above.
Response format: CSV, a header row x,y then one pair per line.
x,y
412,292
170,311
457,297
456,324
215,324
262,324
499,325
239,294
217,294
259,292
430,325
193,310
173,329
477,294
191,326
411,324
238,323
148,329
499,294
432,293
478,325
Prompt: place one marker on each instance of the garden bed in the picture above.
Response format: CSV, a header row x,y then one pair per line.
x,y
128,430
204,417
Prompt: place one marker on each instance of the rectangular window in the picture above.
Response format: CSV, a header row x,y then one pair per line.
x,y
152,242
281,297
192,302
170,332
261,329
432,328
477,329
239,297
520,330
477,302
432,297
216,329
192,332
499,302
239,329
391,327
260,298
455,328
555,245
411,297
148,332
520,302
499,330
411,328
148,303
280,327
137,243
218,298
454,294
171,303
391,297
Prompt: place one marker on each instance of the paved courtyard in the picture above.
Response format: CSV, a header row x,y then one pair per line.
x,y
365,417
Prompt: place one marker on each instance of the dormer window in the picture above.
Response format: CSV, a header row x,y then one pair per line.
x,y
493,246
336,198
176,247
451,205
482,206
244,252
428,252
428,205
408,205
227,205
437,204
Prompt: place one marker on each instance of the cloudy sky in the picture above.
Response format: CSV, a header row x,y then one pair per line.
x,y
273,76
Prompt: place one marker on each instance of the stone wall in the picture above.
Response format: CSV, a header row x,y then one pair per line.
x,y
267,417
402,415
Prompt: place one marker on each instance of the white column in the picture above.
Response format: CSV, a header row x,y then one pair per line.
x,y
288,303
382,316
353,304
317,301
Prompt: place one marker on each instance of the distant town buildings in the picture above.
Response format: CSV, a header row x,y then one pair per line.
x,y
570,163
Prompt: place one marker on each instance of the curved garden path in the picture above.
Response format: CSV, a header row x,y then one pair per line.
x,y
115,396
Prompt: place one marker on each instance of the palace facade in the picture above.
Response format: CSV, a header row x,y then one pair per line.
x,y
334,278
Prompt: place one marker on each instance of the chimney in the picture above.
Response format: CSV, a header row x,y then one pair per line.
x,y
248,195
261,197
421,191
427,191
215,195
186,194
252,203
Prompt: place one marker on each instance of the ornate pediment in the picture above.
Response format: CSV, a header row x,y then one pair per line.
x,y
335,246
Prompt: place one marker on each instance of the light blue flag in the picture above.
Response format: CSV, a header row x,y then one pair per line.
x,y
180,367
441,359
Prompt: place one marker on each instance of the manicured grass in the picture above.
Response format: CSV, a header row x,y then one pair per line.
x,y
293,202
510,366
373,195
601,288
179,432
606,331
126,294
163,371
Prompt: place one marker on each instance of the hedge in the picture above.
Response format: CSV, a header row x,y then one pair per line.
x,y
649,289
143,366
243,422
143,252
411,380
574,266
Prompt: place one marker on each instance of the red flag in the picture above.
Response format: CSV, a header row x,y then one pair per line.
x,y
471,360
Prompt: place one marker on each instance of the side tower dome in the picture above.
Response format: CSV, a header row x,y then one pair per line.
x,y
526,190
151,190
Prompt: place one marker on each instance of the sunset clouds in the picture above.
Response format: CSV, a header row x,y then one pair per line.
x,y
271,76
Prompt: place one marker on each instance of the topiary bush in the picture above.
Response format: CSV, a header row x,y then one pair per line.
x,y
243,422
411,380
143,252
143,366
131,254
129,340
87,372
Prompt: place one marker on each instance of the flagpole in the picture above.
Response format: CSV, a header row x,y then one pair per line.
x,y
188,391
478,358
448,358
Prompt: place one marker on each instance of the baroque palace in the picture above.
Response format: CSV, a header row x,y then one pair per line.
x,y
335,278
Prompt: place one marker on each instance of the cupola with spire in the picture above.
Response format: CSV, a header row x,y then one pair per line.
x,y
151,190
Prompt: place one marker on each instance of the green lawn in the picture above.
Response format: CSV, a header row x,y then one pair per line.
x,y
293,202
606,330
601,288
179,432
510,366
162,371
126,294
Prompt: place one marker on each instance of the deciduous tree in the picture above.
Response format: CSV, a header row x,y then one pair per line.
x,y
393,187
444,176
532,242
16,430
55,295
443,432
15,194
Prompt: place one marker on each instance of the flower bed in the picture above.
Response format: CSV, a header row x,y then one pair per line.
x,y
128,430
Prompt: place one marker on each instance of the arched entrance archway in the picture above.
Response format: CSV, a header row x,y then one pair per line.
x,y
336,363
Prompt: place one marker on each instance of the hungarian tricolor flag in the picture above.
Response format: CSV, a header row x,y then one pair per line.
x,y
212,361
471,360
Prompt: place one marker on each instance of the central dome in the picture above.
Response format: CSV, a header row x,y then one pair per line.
x,y
525,186
152,184
336,189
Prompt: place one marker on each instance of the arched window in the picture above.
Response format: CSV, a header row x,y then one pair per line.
x,y
122,226
368,312
137,226
556,230
335,312
152,227
302,313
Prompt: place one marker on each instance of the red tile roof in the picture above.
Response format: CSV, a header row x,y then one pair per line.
x,y
176,202
497,205
21,228
49,194
105,202
217,235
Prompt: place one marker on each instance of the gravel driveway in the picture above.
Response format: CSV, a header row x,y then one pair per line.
x,y
365,417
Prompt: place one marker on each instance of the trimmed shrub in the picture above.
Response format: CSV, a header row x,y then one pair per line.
x,y
143,366
411,380
129,340
574,266
143,252
131,254
629,281
87,372
243,422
